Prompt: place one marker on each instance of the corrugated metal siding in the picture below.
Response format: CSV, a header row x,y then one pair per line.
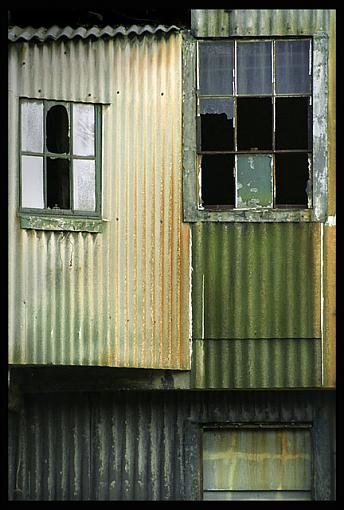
x,y
54,33
115,298
137,445
269,22
256,305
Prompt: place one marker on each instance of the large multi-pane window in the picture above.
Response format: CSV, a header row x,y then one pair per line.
x,y
254,124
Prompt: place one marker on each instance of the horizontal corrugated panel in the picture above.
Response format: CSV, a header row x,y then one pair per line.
x,y
264,363
137,445
54,33
116,298
269,22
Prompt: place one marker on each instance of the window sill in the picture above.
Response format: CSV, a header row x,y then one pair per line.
x,y
30,221
249,215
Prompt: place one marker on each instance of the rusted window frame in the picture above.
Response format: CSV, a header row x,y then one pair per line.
x,y
318,211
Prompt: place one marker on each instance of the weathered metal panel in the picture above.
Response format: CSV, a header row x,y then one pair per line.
x,y
115,298
256,301
146,445
268,22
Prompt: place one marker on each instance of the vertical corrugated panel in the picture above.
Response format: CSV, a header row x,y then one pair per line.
x,y
229,22
256,305
115,298
133,445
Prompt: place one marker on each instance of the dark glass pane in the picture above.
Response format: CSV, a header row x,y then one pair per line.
x,y
57,130
254,118
217,130
254,68
292,176
293,123
218,179
216,68
58,184
293,67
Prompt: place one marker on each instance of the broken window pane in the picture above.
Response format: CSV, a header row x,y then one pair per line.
x,y
254,68
254,186
292,179
57,130
83,130
293,70
216,68
218,179
84,185
32,126
217,129
58,184
32,182
293,122
254,123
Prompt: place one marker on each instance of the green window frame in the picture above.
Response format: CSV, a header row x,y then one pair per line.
x,y
80,169
316,208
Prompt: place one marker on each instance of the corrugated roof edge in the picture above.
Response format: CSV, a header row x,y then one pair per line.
x,y
16,33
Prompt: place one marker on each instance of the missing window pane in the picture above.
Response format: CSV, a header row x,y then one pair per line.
x,y
217,129
293,121
292,180
254,117
57,130
58,183
218,180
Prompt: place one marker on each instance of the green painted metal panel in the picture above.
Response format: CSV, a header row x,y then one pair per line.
x,y
256,280
256,305
254,180
268,363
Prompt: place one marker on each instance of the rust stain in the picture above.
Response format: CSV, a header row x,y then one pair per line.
x,y
329,306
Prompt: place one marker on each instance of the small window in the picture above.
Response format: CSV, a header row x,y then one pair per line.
x,y
60,157
257,464
254,124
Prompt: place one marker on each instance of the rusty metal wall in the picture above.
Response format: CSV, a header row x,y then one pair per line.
x,y
146,445
118,298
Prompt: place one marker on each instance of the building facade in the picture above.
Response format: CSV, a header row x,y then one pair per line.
x,y
172,259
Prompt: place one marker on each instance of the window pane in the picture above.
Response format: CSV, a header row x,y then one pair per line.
x,y
254,181
217,129
293,123
32,126
57,130
293,67
58,184
218,179
292,180
254,73
84,185
216,68
83,130
254,118
254,460
32,182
